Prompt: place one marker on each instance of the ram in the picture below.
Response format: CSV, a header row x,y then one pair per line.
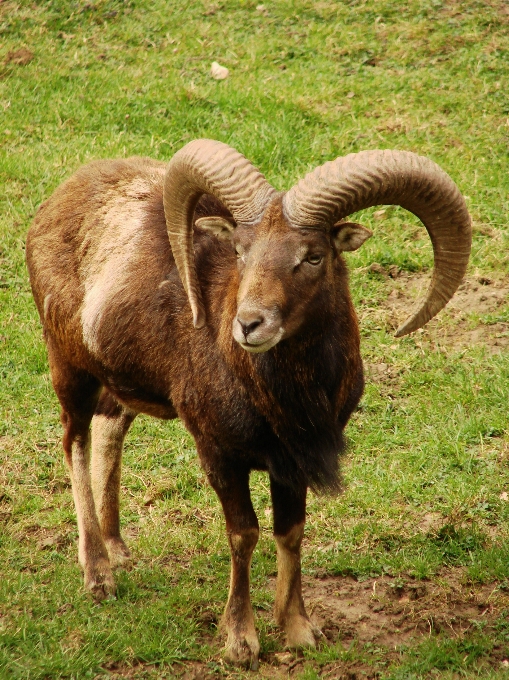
x,y
195,290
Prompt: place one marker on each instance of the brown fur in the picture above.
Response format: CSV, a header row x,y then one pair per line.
x,y
120,340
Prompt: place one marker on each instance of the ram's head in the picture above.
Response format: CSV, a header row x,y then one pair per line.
x,y
287,243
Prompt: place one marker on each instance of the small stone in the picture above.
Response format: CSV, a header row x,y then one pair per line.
x,y
219,72
504,496
350,95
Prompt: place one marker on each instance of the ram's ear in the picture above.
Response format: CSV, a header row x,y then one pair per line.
x,y
349,236
219,226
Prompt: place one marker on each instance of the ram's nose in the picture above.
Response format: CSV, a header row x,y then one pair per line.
x,y
257,329
249,321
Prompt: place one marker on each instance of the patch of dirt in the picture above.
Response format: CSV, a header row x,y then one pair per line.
x,y
20,57
431,522
135,671
383,612
45,538
480,295
383,373
389,612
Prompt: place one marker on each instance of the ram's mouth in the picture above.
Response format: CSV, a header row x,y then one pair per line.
x,y
262,346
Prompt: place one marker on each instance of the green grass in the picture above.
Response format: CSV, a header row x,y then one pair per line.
x,y
308,81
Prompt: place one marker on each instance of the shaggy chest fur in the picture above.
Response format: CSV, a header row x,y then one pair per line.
x,y
282,411
283,416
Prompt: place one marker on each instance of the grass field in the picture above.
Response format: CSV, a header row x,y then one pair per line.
x,y
407,572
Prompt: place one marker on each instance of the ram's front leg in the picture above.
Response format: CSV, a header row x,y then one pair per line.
x,y
289,516
232,487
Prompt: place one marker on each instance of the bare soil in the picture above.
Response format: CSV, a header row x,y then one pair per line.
x,y
461,324
385,612
20,57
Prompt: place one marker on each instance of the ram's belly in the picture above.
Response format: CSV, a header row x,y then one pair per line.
x,y
141,401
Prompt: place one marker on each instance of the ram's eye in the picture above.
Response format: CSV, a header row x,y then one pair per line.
x,y
314,259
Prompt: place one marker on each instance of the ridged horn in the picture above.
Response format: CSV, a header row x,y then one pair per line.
x,y
202,167
357,181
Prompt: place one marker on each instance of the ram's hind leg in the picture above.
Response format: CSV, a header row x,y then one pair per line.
x,y
232,486
289,508
110,424
78,393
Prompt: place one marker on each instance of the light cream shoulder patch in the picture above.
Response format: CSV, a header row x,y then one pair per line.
x,y
106,267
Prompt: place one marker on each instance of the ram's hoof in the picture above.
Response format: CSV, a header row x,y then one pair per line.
x,y
99,581
300,633
119,553
243,650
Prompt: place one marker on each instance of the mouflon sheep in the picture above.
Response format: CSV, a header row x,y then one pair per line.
x,y
196,290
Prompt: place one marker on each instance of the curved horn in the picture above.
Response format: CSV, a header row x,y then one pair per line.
x,y
205,166
357,181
